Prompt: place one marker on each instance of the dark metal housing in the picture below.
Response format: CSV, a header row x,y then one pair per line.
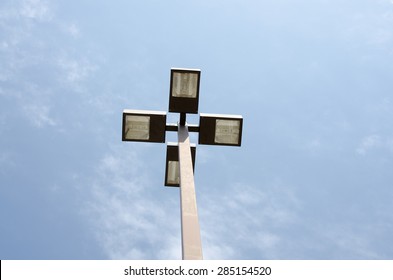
x,y
172,154
184,104
157,125
208,127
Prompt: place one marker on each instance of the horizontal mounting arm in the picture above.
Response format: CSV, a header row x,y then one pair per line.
x,y
175,127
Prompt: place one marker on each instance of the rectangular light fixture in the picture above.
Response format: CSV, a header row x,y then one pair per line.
x,y
184,90
220,129
143,126
172,170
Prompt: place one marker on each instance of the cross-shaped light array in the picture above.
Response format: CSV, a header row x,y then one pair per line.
x,y
151,126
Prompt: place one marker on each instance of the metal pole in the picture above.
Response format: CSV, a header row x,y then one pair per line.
x,y
191,237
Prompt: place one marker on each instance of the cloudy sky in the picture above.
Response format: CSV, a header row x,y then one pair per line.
x,y
312,79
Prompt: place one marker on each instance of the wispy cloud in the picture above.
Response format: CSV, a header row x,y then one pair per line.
x,y
33,102
374,142
130,224
368,143
73,30
350,241
250,216
34,70
39,115
368,31
76,71
36,9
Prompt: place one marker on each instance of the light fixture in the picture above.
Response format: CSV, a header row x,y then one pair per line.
x,y
144,126
184,90
150,126
220,129
172,170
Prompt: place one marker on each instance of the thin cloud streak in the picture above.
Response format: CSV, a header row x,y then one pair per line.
x,y
373,143
36,9
128,224
250,216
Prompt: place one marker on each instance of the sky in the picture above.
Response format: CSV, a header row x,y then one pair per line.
x,y
313,81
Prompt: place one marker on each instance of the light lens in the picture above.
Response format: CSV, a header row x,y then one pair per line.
x,y
137,127
173,177
221,129
185,85
172,170
227,131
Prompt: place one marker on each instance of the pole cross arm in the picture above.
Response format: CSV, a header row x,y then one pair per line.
x,y
175,127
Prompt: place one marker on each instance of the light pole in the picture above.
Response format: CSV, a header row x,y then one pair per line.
x,y
150,126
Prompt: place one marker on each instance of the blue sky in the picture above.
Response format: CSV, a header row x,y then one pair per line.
x,y
312,79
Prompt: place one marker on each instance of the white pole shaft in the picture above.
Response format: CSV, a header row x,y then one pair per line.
x,y
191,237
